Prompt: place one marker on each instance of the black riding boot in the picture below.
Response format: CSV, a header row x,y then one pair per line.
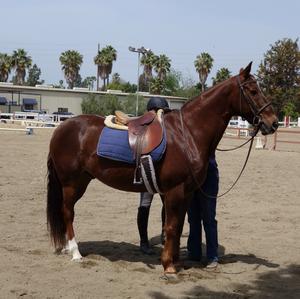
x,y
142,223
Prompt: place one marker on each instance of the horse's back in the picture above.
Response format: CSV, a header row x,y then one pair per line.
x,y
72,129
75,138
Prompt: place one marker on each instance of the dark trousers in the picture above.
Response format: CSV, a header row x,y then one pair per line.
x,y
202,210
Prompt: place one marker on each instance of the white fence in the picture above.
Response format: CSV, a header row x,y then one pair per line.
x,y
240,123
33,118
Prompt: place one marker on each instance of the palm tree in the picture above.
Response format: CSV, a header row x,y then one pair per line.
x,y
20,61
116,78
148,60
104,60
162,66
221,75
157,85
5,67
203,65
71,61
88,82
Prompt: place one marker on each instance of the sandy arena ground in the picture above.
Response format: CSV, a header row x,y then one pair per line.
x,y
259,229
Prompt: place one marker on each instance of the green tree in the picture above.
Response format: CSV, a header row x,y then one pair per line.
x,y
78,81
172,82
157,86
180,86
279,74
88,82
20,62
221,75
116,78
5,67
129,105
118,83
59,85
34,74
104,60
101,105
128,87
162,66
71,61
203,65
289,109
148,61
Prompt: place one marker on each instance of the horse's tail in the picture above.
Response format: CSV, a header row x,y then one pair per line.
x,y
55,219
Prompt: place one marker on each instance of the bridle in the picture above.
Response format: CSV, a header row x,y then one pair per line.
x,y
257,121
255,110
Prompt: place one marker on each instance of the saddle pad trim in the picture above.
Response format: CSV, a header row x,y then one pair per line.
x,y
109,123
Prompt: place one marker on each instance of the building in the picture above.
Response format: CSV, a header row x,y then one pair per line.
x,y
49,100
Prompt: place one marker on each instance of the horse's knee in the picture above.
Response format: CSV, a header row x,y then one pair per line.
x,y
170,231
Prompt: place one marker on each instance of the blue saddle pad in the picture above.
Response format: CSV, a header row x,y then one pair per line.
x,y
113,144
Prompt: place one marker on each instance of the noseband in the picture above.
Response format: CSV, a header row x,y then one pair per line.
x,y
255,110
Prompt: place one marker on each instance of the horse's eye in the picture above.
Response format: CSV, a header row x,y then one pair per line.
x,y
253,92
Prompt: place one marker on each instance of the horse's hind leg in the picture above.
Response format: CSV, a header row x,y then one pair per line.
x,y
71,194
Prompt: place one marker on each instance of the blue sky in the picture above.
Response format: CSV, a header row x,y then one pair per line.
x,y
233,32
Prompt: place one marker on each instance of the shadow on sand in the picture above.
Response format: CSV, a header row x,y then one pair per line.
x,y
275,284
119,251
123,251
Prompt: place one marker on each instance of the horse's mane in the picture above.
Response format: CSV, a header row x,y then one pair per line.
x,y
210,89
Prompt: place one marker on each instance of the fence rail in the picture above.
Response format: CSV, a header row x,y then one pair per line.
x,y
33,117
282,135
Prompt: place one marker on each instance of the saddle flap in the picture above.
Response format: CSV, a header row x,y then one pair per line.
x,y
144,138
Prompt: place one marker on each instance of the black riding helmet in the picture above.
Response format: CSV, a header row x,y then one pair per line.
x,y
156,103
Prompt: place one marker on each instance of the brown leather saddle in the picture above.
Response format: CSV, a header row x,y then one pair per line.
x,y
146,128
145,133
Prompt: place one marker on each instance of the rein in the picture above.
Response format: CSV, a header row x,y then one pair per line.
x,y
237,147
189,158
256,122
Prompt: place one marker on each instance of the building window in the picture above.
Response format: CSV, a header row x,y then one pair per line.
x,y
62,110
3,101
29,104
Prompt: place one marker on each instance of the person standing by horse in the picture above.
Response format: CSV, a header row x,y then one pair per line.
x,y
202,210
154,103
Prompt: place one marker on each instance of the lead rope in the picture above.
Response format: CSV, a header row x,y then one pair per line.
x,y
193,174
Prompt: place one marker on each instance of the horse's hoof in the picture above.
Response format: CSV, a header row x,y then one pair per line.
x,y
77,259
65,251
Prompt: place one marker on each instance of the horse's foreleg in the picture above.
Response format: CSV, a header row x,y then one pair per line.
x,y
175,206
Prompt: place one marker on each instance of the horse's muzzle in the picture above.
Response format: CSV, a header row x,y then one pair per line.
x,y
268,129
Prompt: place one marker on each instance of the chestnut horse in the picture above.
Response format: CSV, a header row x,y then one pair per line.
x,y
193,133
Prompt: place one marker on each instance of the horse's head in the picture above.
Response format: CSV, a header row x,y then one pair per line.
x,y
253,105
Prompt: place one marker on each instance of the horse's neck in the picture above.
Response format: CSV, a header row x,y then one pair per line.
x,y
207,116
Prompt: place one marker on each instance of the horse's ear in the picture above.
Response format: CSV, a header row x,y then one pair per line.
x,y
246,72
